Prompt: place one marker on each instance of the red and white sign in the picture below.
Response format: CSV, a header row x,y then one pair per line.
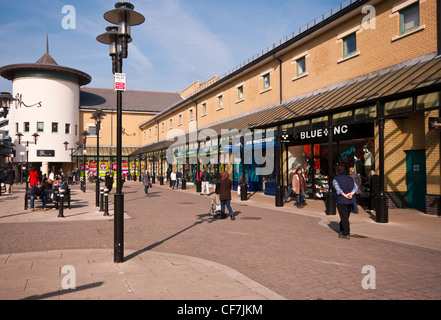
x,y
120,81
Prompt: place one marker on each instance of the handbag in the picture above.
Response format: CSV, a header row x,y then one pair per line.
x,y
150,184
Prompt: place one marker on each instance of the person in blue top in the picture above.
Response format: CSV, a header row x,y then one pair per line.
x,y
345,189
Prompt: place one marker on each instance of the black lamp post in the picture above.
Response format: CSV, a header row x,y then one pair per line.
x,y
84,134
97,116
19,137
118,39
5,101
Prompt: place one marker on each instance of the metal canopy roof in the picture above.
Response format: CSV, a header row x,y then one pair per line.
x,y
408,78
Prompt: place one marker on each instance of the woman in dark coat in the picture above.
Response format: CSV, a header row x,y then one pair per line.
x,y
225,195
9,179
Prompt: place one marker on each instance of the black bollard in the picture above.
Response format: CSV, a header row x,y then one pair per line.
x,y
102,199
279,196
243,192
184,184
60,212
106,207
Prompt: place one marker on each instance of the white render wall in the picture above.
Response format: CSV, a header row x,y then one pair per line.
x,y
59,103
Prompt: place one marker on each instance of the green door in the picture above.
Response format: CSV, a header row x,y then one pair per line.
x,y
416,178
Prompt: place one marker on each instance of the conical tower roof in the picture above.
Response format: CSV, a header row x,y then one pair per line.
x,y
46,58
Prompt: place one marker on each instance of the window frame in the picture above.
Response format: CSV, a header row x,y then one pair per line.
x,y
403,11
345,46
299,74
40,126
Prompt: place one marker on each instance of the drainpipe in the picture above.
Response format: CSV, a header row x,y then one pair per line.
x,y
280,75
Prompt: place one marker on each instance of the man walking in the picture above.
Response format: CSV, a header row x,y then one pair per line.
x,y
146,181
205,178
345,189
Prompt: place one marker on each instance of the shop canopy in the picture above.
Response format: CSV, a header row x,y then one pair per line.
x,y
396,82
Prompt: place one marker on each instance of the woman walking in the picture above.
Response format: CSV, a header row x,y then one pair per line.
x,y
225,195
299,188
146,181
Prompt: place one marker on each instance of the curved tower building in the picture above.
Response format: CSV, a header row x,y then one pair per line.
x,y
47,103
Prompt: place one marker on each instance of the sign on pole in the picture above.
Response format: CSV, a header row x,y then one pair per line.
x,y
120,81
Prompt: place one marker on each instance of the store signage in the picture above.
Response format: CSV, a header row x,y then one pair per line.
x,y
45,153
343,132
435,124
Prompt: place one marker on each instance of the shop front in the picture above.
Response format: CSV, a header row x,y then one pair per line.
x,y
308,149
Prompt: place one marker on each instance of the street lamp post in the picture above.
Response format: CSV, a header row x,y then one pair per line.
x,y
19,137
5,101
97,116
84,134
118,39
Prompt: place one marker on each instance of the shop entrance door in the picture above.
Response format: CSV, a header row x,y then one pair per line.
x,y
416,178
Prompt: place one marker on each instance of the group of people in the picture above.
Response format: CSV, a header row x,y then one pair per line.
x,y
45,188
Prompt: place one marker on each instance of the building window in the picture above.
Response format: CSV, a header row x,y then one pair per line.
x,y
150,133
349,45
162,127
156,130
266,81
301,66
92,131
67,128
204,109
76,130
409,18
16,127
191,115
40,126
220,101
240,93
171,123
54,127
26,127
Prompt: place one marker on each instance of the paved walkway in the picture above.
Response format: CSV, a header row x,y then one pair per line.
x,y
166,276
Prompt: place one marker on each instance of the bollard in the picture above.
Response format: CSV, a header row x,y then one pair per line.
x,y
106,207
60,212
102,199
243,192
279,196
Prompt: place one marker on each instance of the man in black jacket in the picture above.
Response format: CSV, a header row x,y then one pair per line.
x,y
9,179
37,191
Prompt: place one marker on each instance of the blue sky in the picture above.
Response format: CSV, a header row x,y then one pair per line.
x,y
181,40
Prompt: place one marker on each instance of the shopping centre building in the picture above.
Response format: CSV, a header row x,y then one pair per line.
x,y
368,72
358,85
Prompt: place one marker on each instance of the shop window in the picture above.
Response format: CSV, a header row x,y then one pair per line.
x,y
398,106
319,123
365,113
342,118
409,18
430,100
302,126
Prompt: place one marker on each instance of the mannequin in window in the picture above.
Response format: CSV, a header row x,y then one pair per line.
x,y
368,160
